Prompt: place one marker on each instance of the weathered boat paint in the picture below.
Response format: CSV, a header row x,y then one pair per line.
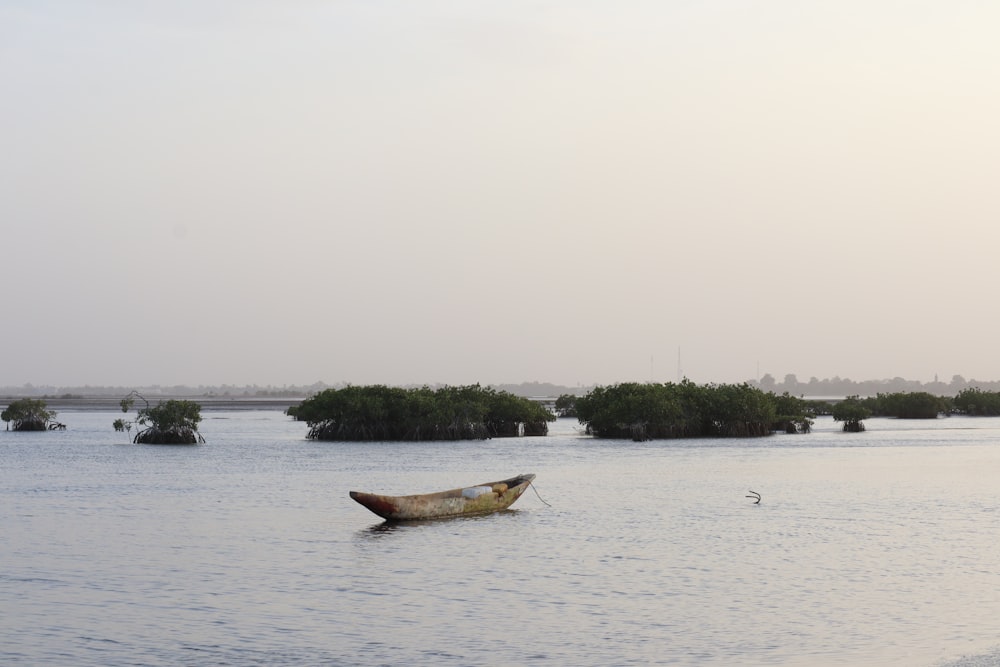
x,y
446,503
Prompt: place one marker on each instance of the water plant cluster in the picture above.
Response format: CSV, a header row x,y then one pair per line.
x,y
172,422
379,412
685,410
917,405
30,414
644,411
977,402
907,405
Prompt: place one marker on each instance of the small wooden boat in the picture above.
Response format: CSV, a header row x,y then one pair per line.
x,y
469,500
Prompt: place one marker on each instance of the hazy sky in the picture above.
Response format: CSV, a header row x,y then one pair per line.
x,y
208,191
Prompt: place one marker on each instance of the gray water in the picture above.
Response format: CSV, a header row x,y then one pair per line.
x,y
877,548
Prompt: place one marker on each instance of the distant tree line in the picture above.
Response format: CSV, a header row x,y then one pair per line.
x,y
814,387
837,386
379,412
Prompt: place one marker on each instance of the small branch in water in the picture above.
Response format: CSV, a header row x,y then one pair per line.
x,y
756,495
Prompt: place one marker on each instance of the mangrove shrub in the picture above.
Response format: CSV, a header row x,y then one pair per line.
x,y
851,411
378,412
975,401
907,405
172,422
793,414
566,405
645,411
29,414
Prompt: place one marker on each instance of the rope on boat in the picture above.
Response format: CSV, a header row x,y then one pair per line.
x,y
532,485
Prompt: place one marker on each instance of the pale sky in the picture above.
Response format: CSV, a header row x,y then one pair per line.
x,y
385,191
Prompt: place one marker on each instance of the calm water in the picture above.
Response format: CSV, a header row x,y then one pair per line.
x,y
878,548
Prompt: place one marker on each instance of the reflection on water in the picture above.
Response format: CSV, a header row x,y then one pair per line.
x,y
385,527
866,549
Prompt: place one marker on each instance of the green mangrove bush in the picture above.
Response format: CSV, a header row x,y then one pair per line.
x,y
975,401
852,411
172,422
645,411
29,414
907,405
379,412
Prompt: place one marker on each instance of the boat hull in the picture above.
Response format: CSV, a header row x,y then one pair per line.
x,y
464,501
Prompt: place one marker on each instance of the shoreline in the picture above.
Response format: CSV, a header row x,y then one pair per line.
x,y
207,403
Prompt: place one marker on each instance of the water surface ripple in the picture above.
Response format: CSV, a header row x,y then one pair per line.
x,y
867,549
